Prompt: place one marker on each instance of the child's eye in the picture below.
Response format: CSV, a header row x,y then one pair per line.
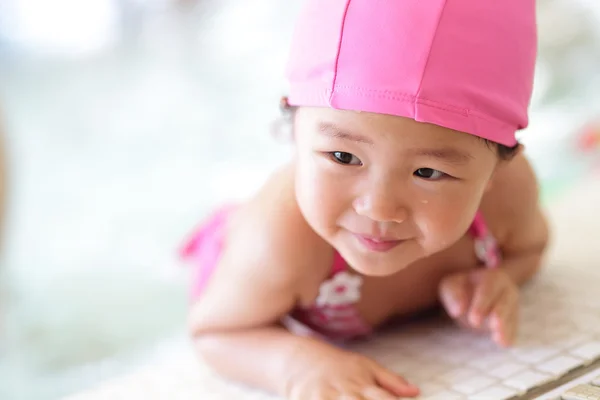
x,y
429,174
345,158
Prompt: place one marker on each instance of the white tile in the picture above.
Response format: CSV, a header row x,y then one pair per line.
x,y
534,355
473,385
425,372
582,392
489,360
456,356
507,369
414,345
431,388
401,367
457,375
483,344
527,380
445,395
588,351
497,392
453,337
412,367
560,365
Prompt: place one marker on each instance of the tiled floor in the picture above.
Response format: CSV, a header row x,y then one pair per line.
x,y
127,120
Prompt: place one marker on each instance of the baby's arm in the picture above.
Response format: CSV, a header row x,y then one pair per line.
x,y
234,324
516,197
237,335
523,243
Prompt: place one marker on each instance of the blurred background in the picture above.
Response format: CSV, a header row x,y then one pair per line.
x,y
126,121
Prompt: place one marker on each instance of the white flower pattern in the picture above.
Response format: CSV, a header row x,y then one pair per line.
x,y
486,250
342,289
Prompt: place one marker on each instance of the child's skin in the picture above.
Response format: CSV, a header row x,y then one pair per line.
x,y
392,178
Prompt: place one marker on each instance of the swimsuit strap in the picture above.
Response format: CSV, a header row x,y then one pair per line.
x,y
339,264
486,247
479,228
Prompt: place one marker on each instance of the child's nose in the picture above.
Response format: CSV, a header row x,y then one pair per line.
x,y
381,207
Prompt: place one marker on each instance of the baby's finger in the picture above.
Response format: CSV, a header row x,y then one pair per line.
x,y
393,383
512,329
505,334
454,294
504,319
487,292
503,308
375,393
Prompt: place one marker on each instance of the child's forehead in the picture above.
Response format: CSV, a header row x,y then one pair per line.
x,y
374,125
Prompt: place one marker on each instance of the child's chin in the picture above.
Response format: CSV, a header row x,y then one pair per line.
x,y
379,269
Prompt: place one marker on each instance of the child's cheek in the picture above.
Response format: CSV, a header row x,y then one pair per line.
x,y
440,224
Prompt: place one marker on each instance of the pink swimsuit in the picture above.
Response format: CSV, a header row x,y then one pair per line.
x,y
333,316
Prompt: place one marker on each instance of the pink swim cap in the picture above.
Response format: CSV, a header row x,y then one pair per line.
x,y
466,65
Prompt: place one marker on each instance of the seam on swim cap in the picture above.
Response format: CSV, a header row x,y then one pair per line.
x,y
339,51
433,37
409,98
393,95
372,92
312,96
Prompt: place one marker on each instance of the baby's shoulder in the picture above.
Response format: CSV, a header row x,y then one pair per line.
x,y
273,236
513,196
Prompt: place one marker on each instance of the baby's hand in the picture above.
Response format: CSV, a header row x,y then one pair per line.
x,y
483,296
336,375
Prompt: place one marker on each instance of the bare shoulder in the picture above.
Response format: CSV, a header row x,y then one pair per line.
x,y
271,262
512,205
271,232
514,190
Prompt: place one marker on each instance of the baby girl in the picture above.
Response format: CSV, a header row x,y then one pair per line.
x,y
407,190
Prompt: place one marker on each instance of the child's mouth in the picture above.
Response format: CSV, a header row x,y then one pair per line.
x,y
377,244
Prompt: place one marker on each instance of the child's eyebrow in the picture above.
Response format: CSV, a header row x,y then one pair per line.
x,y
333,131
447,154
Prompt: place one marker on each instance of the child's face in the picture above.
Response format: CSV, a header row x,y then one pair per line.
x,y
386,191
